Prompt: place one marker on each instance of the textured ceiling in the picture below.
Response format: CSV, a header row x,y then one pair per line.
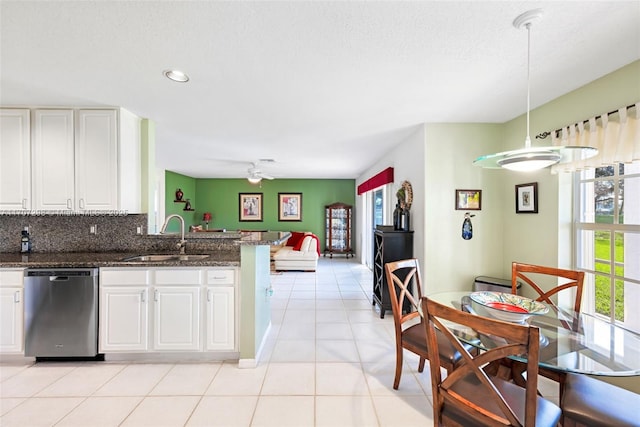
x,y
324,88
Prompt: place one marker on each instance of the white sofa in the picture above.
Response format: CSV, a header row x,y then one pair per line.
x,y
303,256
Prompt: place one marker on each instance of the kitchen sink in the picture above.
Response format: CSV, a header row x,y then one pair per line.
x,y
166,257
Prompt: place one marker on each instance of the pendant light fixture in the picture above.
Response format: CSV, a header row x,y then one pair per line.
x,y
532,158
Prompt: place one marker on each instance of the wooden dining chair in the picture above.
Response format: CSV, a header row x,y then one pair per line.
x,y
590,402
528,272
532,275
471,396
405,288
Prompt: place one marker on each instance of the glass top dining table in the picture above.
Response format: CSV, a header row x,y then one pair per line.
x,y
569,341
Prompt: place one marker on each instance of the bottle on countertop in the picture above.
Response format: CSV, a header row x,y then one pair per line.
x,y
25,241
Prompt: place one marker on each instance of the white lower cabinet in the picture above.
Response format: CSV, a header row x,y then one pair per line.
x,y
167,309
176,321
11,311
123,319
220,318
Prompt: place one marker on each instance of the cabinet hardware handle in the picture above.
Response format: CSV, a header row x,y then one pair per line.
x,y
81,203
24,203
16,297
143,296
155,295
69,204
209,295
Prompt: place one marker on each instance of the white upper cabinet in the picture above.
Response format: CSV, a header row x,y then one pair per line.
x,y
15,159
81,160
53,160
96,160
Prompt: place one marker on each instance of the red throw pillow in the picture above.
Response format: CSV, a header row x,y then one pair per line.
x,y
298,245
296,237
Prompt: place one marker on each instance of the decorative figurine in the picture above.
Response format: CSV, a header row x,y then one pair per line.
x,y
396,217
467,227
179,195
206,217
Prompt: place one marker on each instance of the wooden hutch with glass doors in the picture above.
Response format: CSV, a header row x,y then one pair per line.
x,y
338,218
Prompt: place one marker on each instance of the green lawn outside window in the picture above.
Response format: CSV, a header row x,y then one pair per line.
x,y
603,288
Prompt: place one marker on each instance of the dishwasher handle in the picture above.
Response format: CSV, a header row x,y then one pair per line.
x,y
58,278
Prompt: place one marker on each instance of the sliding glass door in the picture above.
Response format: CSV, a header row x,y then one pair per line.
x,y
374,215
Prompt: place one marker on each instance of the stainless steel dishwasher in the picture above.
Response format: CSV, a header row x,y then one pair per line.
x,y
61,313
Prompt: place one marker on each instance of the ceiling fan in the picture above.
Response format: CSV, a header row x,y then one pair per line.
x,y
255,175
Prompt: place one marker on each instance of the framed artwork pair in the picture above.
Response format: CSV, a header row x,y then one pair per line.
x,y
251,207
526,199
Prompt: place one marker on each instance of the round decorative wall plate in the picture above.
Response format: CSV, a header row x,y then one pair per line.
x,y
408,194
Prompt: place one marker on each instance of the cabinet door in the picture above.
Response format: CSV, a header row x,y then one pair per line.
x,y
220,318
176,318
123,318
15,159
53,160
130,164
11,320
96,160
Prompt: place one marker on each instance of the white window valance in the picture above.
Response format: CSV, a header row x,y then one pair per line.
x,y
615,135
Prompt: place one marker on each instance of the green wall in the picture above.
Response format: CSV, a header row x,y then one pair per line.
x,y
221,198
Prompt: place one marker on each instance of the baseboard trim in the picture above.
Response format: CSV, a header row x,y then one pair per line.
x,y
253,363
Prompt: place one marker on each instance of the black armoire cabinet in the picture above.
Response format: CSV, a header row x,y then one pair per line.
x,y
388,245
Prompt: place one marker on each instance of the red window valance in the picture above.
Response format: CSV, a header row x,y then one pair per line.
x,y
382,178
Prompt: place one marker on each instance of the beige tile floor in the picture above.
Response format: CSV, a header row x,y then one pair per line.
x,y
329,361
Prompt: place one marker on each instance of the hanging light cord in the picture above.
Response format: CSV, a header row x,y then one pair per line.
x,y
527,141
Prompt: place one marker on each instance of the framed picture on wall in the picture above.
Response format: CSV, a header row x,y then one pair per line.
x,y
527,198
468,200
289,206
250,206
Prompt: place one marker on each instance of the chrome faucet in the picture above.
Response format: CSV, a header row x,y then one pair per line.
x,y
183,242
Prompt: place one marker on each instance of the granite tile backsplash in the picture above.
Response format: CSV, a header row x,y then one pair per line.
x,y
113,233
71,233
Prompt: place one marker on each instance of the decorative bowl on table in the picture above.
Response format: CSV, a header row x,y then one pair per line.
x,y
508,307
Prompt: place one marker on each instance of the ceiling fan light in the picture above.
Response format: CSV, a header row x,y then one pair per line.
x,y
254,179
529,161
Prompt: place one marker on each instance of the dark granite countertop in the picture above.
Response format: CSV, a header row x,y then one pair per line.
x,y
263,237
216,258
108,259
237,237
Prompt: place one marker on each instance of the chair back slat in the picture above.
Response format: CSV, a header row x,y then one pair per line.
x,y
405,290
517,340
401,275
523,272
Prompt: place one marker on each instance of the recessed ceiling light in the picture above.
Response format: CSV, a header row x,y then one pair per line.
x,y
176,76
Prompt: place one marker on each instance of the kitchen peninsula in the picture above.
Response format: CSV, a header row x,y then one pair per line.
x,y
236,261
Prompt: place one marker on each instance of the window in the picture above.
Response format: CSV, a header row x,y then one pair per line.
x,y
378,207
375,213
607,236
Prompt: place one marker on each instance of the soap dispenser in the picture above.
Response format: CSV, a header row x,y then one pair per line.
x,y
25,245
